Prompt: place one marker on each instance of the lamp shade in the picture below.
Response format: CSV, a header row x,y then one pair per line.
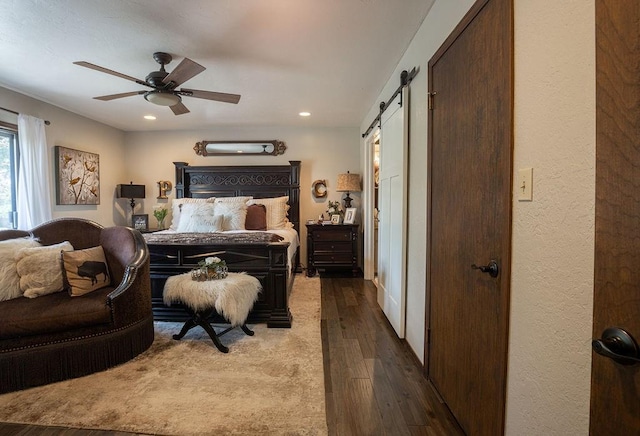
x,y
130,191
348,182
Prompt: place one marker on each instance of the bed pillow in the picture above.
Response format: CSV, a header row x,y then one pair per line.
x,y
199,218
85,270
176,208
276,211
232,199
256,217
234,213
9,278
40,269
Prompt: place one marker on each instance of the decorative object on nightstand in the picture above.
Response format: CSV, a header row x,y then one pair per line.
x,y
332,247
160,213
132,192
140,222
348,183
350,216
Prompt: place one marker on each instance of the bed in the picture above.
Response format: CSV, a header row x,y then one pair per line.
x,y
272,256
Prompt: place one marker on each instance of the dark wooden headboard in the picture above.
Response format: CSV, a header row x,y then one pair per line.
x,y
232,181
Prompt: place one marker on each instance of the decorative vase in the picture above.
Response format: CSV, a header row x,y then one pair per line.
x,y
204,273
161,224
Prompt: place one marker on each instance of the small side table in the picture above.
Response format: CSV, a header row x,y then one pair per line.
x,y
232,297
332,246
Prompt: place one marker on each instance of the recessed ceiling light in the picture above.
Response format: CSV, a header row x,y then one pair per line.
x,y
305,114
149,117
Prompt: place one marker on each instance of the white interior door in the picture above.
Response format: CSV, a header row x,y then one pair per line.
x,y
392,200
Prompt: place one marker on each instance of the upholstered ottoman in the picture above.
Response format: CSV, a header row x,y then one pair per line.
x,y
232,297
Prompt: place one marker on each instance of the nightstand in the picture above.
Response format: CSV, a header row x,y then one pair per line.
x,y
332,246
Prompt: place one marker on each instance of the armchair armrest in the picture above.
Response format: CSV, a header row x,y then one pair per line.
x,y
140,259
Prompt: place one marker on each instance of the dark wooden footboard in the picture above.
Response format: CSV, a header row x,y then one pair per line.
x,y
268,263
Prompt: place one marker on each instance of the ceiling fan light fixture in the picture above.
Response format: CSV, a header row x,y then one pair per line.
x,y
162,98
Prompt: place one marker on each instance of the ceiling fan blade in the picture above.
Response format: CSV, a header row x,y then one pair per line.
x,y
113,73
114,96
179,109
183,72
208,95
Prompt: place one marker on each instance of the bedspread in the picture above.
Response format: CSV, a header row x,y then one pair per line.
x,y
212,238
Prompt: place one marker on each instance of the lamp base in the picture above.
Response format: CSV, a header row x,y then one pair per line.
x,y
347,201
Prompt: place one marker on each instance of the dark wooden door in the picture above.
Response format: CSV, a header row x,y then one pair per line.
x,y
470,216
615,388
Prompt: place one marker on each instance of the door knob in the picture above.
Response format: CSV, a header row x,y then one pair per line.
x,y
618,345
492,269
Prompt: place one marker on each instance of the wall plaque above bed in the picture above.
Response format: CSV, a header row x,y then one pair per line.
x,y
235,148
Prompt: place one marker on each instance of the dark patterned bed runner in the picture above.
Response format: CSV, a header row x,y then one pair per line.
x,y
211,238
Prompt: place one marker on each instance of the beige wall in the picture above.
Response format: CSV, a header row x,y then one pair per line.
x,y
553,236
552,264
74,131
324,152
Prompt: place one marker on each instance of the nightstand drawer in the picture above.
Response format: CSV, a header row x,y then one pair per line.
x,y
335,234
333,246
332,258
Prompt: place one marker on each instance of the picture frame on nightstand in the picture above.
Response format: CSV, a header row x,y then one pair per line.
x,y
140,222
350,215
335,219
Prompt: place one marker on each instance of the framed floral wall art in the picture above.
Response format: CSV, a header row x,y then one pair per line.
x,y
77,176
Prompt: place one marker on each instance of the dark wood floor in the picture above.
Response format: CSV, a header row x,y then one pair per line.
x,y
373,382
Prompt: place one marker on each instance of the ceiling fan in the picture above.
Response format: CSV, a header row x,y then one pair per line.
x,y
163,84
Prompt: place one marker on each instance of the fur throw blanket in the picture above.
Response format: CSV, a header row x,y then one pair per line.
x,y
232,297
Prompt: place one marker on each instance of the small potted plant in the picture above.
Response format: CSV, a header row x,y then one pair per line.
x,y
160,212
333,209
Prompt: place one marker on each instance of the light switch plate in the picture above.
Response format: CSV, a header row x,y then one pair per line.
x,y
525,184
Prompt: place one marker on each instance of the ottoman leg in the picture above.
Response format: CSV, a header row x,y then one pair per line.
x,y
185,328
214,336
247,330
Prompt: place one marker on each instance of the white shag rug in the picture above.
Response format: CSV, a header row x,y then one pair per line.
x,y
271,383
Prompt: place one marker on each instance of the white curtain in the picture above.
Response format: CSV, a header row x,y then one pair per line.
x,y
34,196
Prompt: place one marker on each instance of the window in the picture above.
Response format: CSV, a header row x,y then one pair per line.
x,y
8,176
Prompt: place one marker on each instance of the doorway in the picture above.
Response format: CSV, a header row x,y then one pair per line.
x,y
469,219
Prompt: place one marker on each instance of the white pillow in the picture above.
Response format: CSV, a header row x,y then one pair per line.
x,y
176,205
234,213
9,278
276,211
232,199
199,218
40,269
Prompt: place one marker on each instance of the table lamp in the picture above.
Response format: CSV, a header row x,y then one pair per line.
x,y
348,183
132,192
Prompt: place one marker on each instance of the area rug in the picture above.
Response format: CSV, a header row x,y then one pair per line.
x,y
271,383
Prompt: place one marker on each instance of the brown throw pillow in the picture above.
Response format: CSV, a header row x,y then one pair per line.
x,y
85,270
256,217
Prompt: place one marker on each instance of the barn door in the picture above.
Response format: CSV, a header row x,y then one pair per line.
x,y
392,215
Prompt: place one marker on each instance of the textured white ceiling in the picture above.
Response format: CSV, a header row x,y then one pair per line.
x,y
328,57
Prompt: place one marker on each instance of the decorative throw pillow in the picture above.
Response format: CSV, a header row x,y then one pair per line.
x,y
276,211
85,270
232,199
9,278
40,269
199,218
256,217
176,208
234,215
